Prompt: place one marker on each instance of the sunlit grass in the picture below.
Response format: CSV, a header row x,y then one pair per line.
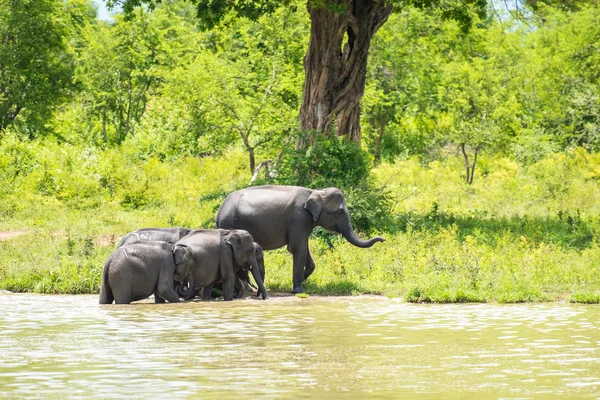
x,y
518,234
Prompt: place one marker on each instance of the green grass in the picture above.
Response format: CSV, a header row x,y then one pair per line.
x,y
518,234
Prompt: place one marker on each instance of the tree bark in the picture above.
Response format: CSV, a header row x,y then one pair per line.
x,y
252,160
469,168
467,165
104,137
335,64
378,142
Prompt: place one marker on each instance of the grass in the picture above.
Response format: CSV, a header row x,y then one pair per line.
x,y
518,234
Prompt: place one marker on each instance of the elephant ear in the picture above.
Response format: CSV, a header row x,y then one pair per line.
x,y
258,251
179,253
233,239
314,204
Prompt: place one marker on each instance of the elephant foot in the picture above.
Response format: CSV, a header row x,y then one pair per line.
x,y
298,289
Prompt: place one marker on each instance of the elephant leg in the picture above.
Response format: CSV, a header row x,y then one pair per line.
x,y
123,296
207,292
168,294
165,288
228,285
157,298
227,271
299,252
239,289
310,265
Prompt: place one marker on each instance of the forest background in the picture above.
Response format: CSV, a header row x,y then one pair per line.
x,y
477,155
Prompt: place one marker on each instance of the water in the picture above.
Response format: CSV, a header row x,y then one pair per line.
x,y
69,346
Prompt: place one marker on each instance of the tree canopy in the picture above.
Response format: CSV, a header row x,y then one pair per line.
x,y
157,84
36,64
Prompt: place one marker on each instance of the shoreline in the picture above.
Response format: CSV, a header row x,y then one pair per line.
x,y
283,297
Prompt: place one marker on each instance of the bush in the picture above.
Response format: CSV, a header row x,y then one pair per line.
x,y
330,162
370,207
337,162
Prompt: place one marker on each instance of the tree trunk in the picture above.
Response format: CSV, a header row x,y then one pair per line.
x,y
252,161
10,116
335,64
378,142
250,153
469,168
104,137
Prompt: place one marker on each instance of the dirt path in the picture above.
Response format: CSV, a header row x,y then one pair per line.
x,y
7,235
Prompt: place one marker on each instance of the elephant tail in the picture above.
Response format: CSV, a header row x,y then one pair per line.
x,y
217,218
106,295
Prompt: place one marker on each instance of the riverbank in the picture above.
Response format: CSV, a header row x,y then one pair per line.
x,y
518,234
416,266
290,298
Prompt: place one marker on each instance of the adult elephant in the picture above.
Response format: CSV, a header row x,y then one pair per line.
x,y
134,272
219,254
154,234
277,216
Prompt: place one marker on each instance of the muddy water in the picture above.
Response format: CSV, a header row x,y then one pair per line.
x,y
69,346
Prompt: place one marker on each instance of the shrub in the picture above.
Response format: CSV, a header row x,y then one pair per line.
x,y
337,162
330,162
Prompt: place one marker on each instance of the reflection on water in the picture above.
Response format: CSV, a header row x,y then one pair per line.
x,y
69,346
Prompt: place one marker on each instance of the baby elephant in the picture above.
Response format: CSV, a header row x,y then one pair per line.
x,y
154,234
133,272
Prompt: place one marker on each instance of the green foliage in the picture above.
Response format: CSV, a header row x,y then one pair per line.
x,y
211,12
149,122
65,265
331,161
334,161
36,59
370,207
122,64
502,87
243,87
438,266
503,239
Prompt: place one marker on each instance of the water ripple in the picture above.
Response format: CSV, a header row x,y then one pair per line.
x,y
69,346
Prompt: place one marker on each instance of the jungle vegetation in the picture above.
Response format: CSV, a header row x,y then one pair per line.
x,y
466,133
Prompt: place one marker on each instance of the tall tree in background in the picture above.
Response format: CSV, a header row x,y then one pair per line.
x,y
336,63
36,64
123,63
336,60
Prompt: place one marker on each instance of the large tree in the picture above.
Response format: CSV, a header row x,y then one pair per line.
x,y
36,58
336,60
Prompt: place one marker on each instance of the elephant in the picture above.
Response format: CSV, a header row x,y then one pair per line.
x,y
219,254
243,279
277,216
153,234
135,271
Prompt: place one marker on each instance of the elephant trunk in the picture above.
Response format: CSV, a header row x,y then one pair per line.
x,y
348,233
186,292
256,274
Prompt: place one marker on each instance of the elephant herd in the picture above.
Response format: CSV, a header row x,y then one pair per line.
x,y
174,263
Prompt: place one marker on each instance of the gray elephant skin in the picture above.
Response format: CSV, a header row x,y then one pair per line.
x,y
242,278
219,254
278,216
136,271
154,234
